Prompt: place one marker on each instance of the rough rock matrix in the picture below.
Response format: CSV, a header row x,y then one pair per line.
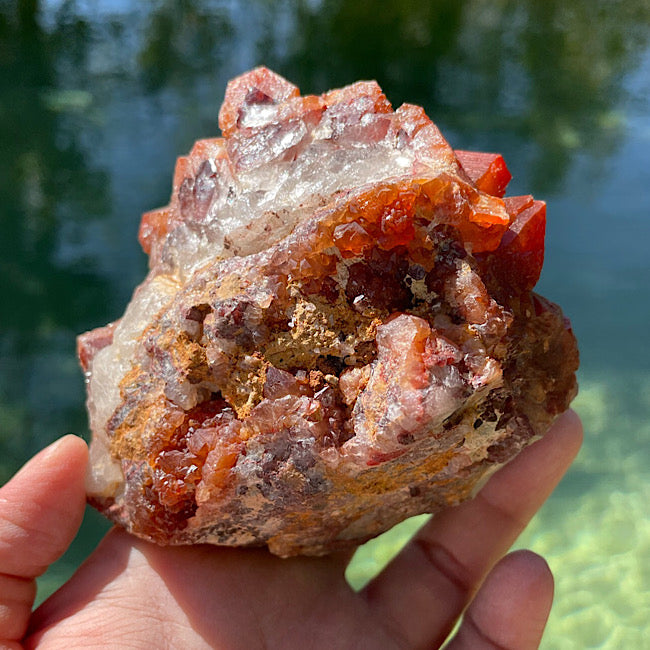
x,y
337,330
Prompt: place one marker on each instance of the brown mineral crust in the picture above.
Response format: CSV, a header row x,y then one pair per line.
x,y
377,361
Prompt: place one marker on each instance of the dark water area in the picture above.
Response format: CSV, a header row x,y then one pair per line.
x,y
98,99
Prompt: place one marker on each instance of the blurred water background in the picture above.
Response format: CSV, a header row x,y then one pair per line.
x,y
97,99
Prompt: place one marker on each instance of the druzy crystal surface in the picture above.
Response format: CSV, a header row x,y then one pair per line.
x,y
337,331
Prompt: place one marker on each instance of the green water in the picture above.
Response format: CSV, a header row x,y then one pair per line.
x,y
98,99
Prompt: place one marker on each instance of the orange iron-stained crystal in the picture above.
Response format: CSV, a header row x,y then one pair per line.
x,y
338,330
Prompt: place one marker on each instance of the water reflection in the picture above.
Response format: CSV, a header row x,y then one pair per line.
x,y
97,100
548,73
183,39
46,184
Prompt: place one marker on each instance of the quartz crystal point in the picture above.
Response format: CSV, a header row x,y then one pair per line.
x,y
337,330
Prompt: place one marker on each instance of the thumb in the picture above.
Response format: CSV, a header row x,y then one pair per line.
x,y
41,509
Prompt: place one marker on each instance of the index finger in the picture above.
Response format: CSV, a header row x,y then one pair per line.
x,y
426,587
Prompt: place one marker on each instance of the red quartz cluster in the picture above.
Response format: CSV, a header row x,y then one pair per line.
x,y
337,330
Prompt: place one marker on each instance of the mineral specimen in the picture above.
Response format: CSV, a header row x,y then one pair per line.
x,y
337,330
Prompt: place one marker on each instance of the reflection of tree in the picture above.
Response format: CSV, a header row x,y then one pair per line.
x,y
183,38
41,176
545,72
38,175
576,54
542,72
397,43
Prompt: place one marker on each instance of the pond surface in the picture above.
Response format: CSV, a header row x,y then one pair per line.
x,y
97,103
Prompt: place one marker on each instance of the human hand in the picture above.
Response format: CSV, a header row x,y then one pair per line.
x,y
130,593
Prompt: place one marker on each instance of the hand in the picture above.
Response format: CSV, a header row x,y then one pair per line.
x,y
133,594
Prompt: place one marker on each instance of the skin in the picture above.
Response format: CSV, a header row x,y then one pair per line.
x,y
131,594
